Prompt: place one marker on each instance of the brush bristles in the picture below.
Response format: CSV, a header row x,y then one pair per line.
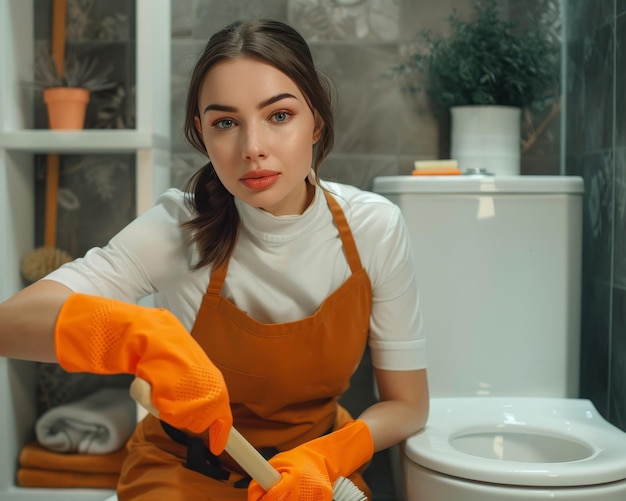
x,y
41,261
345,490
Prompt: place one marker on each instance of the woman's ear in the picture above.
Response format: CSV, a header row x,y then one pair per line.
x,y
319,127
198,124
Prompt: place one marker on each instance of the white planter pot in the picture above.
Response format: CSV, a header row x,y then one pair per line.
x,y
486,137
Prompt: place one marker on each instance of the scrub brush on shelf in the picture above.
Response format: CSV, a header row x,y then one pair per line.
x,y
246,455
37,263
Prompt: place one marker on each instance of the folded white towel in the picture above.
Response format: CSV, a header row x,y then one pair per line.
x,y
97,424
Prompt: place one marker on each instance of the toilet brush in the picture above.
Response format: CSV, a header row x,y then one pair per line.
x,y
41,261
253,463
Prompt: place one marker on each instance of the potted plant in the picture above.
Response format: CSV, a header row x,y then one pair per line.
x,y
67,94
486,71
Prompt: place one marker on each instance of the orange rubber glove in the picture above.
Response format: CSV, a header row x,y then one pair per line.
x,y
309,470
106,336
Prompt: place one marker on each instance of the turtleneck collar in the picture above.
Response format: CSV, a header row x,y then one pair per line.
x,y
270,228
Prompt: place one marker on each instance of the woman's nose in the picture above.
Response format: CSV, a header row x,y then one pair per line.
x,y
254,146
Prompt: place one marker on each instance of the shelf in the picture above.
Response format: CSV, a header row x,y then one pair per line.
x,y
35,494
149,58
82,141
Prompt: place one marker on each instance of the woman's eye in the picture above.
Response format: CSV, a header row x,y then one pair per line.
x,y
281,116
225,123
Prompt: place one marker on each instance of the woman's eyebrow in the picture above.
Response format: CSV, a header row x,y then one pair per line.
x,y
263,104
276,98
219,107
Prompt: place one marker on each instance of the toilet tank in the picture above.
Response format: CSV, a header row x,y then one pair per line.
x,y
499,263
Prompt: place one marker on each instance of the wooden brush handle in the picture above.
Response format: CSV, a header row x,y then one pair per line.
x,y
237,446
52,193
59,23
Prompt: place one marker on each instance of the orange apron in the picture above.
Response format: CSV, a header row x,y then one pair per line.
x,y
284,382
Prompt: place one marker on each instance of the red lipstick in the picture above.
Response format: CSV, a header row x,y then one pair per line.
x,y
259,179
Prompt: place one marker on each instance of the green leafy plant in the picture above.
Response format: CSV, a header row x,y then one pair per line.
x,y
485,61
83,73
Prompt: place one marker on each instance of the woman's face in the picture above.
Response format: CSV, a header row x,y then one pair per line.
x,y
259,134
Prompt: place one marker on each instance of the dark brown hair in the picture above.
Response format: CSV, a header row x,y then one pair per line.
x,y
216,224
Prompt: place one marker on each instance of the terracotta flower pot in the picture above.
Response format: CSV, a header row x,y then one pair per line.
x,y
66,107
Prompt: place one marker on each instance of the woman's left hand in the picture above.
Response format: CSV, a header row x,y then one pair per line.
x,y
309,470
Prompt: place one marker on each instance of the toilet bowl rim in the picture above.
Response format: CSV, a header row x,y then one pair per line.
x,y
606,462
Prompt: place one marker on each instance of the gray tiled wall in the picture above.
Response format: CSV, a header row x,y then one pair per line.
x,y
595,143
379,129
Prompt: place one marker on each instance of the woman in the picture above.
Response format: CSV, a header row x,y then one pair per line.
x,y
280,278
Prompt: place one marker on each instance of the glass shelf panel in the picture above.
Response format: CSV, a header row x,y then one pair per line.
x,y
91,141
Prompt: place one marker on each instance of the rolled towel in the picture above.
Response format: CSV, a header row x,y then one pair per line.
x,y
97,424
35,456
29,477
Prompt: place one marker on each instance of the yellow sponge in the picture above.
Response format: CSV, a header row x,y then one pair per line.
x,y
435,164
436,168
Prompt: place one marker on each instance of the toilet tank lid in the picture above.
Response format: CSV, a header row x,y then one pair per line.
x,y
390,185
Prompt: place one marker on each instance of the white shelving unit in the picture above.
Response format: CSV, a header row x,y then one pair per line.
x,y
18,144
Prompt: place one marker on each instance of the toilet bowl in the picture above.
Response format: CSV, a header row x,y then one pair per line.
x,y
499,448
498,263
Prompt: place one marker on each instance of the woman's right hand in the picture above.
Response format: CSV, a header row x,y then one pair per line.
x,y
106,336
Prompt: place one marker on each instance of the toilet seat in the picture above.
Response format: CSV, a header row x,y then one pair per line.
x,y
583,448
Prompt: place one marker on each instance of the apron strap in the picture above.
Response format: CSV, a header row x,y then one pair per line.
x,y
199,457
201,460
349,246
217,280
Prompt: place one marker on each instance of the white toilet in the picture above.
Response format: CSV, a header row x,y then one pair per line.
x,y
499,269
